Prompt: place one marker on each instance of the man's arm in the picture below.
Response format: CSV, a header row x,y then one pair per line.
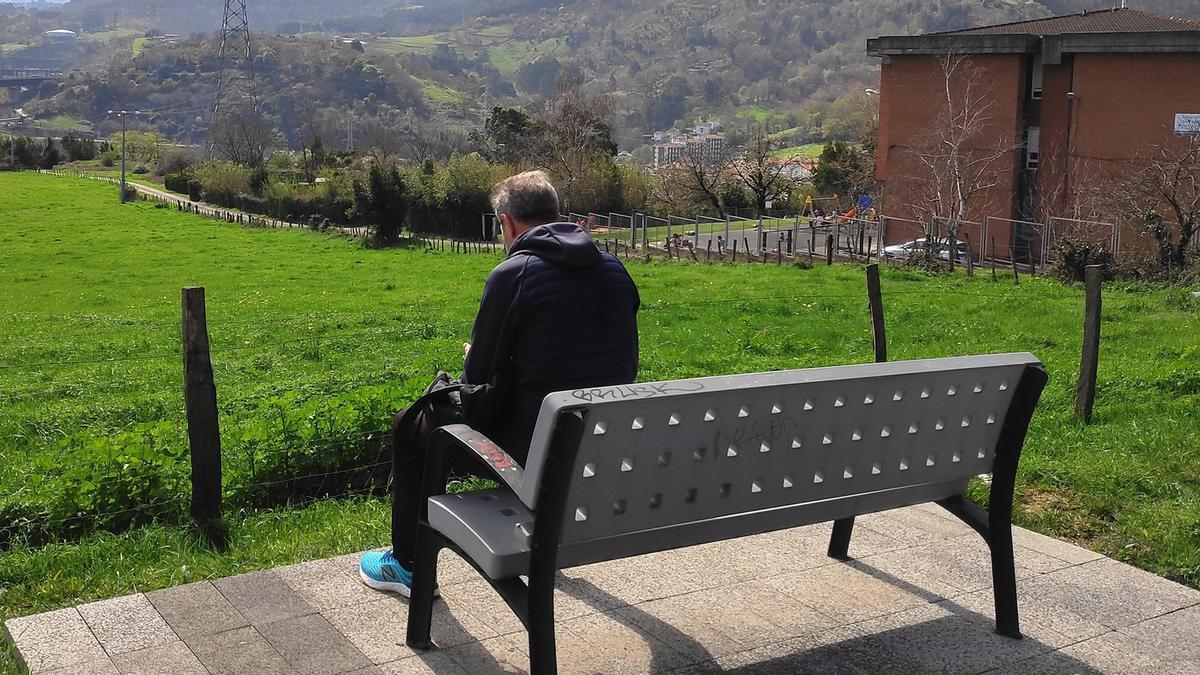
x,y
491,337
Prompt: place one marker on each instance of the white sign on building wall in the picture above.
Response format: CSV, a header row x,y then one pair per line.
x,y
1187,123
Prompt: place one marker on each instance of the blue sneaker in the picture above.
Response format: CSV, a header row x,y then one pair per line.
x,y
381,571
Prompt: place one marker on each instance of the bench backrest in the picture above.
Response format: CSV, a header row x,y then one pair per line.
x,y
659,455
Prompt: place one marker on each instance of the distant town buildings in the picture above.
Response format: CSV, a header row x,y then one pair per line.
x,y
709,147
666,154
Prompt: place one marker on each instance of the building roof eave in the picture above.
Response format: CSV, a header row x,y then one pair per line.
x,y
1052,46
899,45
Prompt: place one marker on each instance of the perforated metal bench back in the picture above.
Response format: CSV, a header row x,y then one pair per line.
x,y
661,454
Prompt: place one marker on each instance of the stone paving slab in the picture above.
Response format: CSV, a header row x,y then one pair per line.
x,y
53,640
916,597
174,658
127,624
263,597
196,609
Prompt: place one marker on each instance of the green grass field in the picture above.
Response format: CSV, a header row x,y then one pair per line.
x,y
317,340
438,93
413,44
806,151
64,122
756,112
496,42
114,34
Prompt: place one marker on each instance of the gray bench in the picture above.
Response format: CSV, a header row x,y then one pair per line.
x,y
620,471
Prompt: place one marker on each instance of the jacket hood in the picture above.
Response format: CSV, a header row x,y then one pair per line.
x,y
565,244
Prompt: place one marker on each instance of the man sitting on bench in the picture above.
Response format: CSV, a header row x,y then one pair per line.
x,y
557,314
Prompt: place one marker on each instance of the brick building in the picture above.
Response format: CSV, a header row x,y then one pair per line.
x,y
1059,105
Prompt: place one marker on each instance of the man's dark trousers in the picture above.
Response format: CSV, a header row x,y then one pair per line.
x,y
409,444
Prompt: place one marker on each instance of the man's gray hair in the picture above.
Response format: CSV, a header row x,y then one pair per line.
x,y
528,197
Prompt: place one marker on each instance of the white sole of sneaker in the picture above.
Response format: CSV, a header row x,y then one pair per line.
x,y
389,586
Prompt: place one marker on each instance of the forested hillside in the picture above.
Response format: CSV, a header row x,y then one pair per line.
x,y
790,65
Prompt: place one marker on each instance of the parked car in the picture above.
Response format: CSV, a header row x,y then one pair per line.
x,y
917,246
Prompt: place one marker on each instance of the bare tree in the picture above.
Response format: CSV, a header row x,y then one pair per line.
x,y
962,158
381,140
243,137
765,175
1165,184
573,132
698,177
433,143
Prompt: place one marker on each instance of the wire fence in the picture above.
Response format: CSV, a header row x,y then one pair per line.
x,y
307,463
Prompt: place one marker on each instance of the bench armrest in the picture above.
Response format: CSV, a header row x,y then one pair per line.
x,y
454,438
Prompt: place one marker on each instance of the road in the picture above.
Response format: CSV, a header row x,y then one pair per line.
x,y
204,209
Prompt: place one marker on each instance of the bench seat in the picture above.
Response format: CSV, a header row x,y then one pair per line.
x,y
622,471
487,526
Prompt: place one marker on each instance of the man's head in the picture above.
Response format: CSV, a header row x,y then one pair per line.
x,y
524,201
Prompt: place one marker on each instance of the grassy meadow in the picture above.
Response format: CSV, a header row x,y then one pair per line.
x,y
316,340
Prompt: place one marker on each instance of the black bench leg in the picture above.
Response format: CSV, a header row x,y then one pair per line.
x,y
1004,581
839,542
420,605
543,654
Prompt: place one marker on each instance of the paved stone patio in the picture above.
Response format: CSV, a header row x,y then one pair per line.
x,y
916,598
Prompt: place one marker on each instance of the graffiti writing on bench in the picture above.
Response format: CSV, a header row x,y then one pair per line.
x,y
749,433
492,454
637,390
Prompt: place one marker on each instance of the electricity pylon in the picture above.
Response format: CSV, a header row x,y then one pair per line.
x,y
235,63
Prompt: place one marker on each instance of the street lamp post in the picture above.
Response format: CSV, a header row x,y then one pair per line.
x,y
123,114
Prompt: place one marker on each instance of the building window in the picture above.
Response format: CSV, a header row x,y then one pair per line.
x,y
1032,139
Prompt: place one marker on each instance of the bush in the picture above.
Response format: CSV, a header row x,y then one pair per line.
x,y
174,162
276,193
1149,267
223,178
194,192
448,198
141,169
107,162
177,182
251,204
78,148
258,178
1072,257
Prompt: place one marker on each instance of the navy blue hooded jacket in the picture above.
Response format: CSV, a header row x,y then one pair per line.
x,y
556,314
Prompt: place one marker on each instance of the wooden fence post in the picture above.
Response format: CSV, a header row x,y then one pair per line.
x,y
204,434
1085,391
875,299
970,257
993,258
839,542
829,244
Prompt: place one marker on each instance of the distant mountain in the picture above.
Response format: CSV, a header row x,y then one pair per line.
x,y
777,63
